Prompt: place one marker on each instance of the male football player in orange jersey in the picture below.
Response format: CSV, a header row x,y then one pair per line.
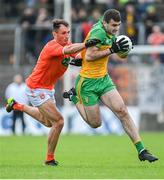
x,y
51,65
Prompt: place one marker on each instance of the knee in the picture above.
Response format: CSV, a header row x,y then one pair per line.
x,y
122,111
60,123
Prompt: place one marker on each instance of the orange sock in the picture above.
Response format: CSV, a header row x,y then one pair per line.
x,y
50,157
19,107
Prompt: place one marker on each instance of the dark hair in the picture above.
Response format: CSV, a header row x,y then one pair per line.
x,y
56,23
112,14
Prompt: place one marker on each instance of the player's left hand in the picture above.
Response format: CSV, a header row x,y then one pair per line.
x,y
91,42
76,62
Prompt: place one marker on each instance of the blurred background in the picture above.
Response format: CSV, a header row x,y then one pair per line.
x,y
25,27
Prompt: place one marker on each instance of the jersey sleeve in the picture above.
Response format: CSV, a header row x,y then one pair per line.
x,y
55,50
97,34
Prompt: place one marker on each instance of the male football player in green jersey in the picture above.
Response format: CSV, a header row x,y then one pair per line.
x,y
94,83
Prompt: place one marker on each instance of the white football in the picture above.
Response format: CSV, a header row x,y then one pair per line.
x,y
129,43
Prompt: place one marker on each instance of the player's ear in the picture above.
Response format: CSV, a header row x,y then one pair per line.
x,y
105,24
54,34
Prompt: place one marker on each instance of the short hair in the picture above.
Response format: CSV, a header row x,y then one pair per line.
x,y
111,14
56,23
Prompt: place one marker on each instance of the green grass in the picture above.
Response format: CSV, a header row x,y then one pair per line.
x,y
80,157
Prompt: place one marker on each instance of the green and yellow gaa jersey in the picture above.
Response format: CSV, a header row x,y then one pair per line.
x,y
97,68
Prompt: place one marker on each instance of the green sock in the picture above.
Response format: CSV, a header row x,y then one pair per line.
x,y
74,99
139,146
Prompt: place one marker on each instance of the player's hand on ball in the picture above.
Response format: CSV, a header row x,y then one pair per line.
x,y
91,42
76,62
125,51
121,45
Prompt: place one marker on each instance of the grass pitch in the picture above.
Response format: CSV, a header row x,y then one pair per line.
x,y
80,157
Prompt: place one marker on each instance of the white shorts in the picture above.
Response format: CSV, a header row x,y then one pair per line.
x,y
38,96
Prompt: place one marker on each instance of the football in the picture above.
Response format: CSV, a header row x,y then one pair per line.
x,y
124,54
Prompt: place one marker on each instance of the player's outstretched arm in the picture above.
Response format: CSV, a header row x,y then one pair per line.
x,y
77,47
73,48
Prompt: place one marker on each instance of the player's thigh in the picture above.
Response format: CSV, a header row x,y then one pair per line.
x,y
86,91
93,113
113,100
49,111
